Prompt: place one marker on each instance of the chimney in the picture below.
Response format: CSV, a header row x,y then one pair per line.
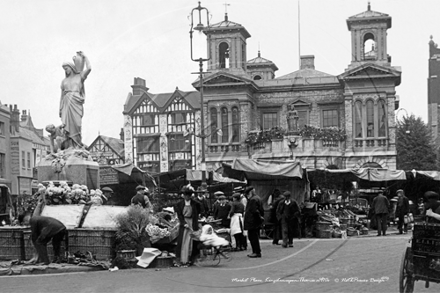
x,y
24,115
139,86
15,118
121,134
307,62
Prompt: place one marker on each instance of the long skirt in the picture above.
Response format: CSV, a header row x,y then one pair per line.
x,y
187,243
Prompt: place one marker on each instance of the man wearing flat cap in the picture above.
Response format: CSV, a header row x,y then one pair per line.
x,y
253,220
107,194
402,210
222,209
288,213
141,198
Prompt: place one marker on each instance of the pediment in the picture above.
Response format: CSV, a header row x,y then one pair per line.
x,y
300,103
370,71
221,79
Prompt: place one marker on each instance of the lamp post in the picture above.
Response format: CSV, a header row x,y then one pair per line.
x,y
200,27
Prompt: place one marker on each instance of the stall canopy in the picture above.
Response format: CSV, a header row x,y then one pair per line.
x,y
266,176
252,169
174,180
369,174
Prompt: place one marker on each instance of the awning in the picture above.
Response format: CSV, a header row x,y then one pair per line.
x,y
252,169
127,168
368,174
435,175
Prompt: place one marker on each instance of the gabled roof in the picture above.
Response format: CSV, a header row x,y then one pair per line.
x,y
161,100
260,61
115,144
227,25
191,98
372,70
305,73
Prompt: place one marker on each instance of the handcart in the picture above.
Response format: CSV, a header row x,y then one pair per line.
x,y
421,261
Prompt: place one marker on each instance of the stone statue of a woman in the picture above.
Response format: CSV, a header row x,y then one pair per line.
x,y
73,96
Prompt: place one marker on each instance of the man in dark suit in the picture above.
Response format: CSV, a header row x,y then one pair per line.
x,y
402,210
381,207
222,211
253,220
288,213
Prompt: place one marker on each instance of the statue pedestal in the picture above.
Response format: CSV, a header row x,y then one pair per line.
x,y
70,165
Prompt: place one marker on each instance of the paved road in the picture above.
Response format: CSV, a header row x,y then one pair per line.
x,y
314,265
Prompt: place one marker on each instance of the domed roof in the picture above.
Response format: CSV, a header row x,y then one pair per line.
x,y
226,24
260,61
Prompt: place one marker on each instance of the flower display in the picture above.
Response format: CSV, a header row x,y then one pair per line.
x,y
63,194
327,133
259,136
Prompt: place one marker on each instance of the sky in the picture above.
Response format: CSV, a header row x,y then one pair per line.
x,y
150,39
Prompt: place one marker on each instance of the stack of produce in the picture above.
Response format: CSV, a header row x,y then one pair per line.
x,y
156,233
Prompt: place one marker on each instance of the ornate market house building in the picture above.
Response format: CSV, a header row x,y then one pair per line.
x,y
318,119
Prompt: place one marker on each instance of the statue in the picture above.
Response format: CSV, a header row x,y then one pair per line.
x,y
57,136
73,96
292,118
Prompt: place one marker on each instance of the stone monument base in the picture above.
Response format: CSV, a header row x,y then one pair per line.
x,y
73,165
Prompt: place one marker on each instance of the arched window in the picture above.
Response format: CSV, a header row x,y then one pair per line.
x,y
235,125
370,50
381,118
225,128
214,125
358,119
257,77
370,118
224,55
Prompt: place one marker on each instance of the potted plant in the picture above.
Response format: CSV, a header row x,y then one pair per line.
x,y
131,230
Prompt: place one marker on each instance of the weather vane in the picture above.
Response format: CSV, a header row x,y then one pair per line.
x,y
226,7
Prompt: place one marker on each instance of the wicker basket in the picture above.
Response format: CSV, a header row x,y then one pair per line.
x,y
11,243
29,247
162,262
324,233
100,243
323,226
352,232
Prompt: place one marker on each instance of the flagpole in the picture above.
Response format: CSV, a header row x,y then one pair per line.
x,y
299,35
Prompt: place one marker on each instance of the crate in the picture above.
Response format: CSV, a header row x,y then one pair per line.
x,y
324,233
11,243
101,243
29,247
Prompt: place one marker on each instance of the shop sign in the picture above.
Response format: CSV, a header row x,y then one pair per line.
x,y
108,176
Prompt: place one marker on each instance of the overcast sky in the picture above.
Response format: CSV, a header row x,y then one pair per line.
x,y
149,39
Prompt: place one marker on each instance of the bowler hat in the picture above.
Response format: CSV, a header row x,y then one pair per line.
x,y
286,193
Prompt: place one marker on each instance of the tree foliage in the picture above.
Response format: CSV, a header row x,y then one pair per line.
x,y
414,144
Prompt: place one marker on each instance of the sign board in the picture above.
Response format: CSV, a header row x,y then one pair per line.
x,y
108,176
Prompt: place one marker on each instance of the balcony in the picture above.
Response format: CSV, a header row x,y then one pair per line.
x,y
370,143
292,145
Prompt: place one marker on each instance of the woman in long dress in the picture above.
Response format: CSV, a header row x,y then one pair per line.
x,y
188,211
73,96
